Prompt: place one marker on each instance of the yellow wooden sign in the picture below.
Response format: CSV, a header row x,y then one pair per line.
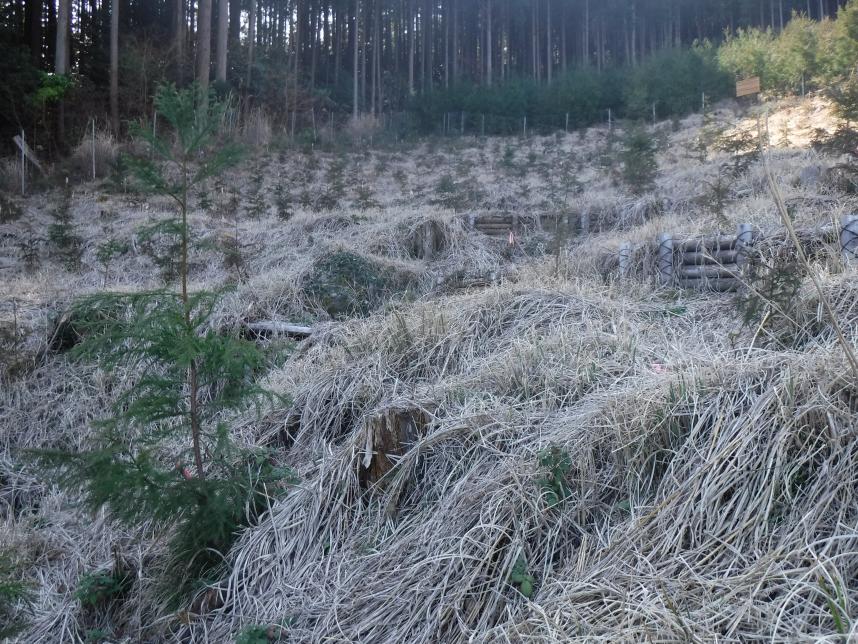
x,y
748,87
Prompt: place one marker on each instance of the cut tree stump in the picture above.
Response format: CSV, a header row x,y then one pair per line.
x,y
388,435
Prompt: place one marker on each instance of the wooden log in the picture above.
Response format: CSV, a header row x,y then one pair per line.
x,y
484,227
276,327
721,285
665,259
744,241
849,238
708,272
704,258
707,244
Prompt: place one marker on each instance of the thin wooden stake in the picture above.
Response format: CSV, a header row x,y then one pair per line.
x,y
93,149
625,259
23,163
154,132
567,123
462,124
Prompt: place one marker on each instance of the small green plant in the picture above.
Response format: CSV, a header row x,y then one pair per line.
x,y
96,636
15,595
62,234
256,198
555,463
637,156
346,285
263,634
837,605
283,202
253,635
96,589
108,251
29,247
521,578
771,301
365,197
161,241
164,456
9,209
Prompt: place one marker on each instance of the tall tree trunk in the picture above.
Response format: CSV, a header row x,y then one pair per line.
x,y
447,44
338,37
179,36
586,33
549,49
375,71
222,39
34,30
412,45
114,66
425,26
563,42
355,108
634,35
533,40
455,42
61,51
251,41
61,58
234,36
489,38
204,44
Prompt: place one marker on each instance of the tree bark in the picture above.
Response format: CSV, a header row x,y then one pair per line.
x,y
355,107
179,36
114,66
204,44
549,50
61,53
412,45
455,42
251,41
489,73
34,30
222,39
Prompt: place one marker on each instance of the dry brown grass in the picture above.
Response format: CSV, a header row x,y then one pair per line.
x,y
711,492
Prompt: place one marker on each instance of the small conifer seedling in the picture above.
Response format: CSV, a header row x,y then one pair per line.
x,y
164,455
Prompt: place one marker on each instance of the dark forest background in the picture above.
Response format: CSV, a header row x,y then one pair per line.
x,y
558,62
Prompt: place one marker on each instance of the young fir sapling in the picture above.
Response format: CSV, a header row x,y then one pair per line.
x,y
164,455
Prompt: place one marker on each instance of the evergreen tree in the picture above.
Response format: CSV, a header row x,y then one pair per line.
x,y
639,166
164,454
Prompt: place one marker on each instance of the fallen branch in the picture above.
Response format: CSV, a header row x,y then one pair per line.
x,y
276,327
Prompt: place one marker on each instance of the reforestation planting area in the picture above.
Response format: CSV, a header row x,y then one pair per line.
x,y
358,383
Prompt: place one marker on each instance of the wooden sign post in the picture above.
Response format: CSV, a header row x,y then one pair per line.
x,y
748,87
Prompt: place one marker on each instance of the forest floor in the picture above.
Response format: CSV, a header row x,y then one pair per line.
x,y
708,456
